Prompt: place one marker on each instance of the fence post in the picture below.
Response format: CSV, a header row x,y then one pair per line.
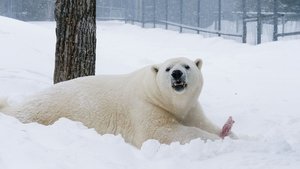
x,y
244,36
259,25
154,13
126,10
219,17
110,8
275,20
10,12
283,26
181,12
143,13
133,13
167,6
198,15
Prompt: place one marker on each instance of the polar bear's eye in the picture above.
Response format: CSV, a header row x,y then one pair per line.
x,y
168,69
187,67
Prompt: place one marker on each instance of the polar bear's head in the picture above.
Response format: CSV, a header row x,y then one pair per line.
x,y
179,76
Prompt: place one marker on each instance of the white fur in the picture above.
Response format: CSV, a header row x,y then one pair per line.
x,y
141,105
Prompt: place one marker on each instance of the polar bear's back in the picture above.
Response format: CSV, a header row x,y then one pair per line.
x,y
96,101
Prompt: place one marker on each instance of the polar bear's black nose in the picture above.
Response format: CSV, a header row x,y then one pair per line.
x,y
176,74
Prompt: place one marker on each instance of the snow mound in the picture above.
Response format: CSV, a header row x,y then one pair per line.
x,y
68,144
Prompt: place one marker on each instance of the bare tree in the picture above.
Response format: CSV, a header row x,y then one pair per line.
x,y
75,54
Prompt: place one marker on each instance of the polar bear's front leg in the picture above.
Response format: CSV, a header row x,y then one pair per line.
x,y
197,118
155,123
182,134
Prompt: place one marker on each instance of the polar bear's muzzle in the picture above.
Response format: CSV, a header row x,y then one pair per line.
x,y
178,81
179,85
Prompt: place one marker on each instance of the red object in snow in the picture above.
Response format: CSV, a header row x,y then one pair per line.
x,y
226,128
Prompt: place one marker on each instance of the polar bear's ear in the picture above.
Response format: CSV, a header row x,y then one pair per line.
x,y
155,68
198,63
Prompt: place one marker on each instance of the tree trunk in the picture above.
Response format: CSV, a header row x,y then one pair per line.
x,y
75,54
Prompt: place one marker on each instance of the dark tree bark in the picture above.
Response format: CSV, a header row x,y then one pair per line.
x,y
75,54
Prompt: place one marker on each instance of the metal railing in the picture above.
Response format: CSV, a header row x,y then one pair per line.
x,y
145,12
166,13
248,21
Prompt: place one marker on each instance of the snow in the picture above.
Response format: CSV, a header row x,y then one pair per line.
x,y
257,85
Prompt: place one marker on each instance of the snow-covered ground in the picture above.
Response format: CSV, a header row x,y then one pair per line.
x,y
258,85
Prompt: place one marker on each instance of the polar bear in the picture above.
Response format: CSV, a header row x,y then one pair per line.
x,y
156,102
